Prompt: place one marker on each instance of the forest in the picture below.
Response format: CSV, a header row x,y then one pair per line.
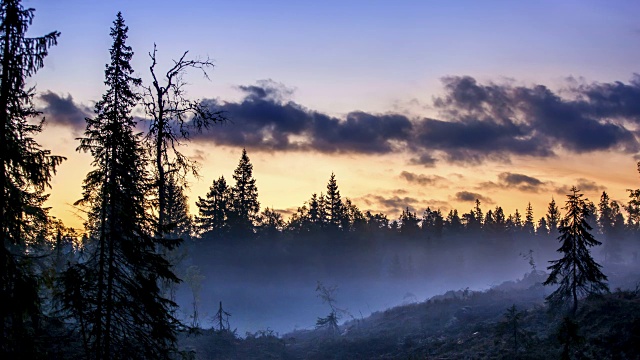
x,y
146,279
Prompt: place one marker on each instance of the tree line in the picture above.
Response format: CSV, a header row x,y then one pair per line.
x,y
231,211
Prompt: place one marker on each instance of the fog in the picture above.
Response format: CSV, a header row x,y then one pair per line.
x,y
270,284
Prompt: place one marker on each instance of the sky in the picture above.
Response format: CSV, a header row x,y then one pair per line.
x,y
410,103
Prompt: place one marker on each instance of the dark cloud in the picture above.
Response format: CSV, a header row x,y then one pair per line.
x,y
426,159
261,121
468,196
519,179
421,179
479,122
64,111
508,180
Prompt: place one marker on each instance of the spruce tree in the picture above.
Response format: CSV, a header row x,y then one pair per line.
x,y
213,211
178,221
26,170
576,272
334,205
114,293
244,198
517,220
553,217
633,208
529,227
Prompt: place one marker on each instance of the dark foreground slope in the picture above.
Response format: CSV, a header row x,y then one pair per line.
x,y
457,325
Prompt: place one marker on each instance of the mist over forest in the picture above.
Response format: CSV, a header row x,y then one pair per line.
x,y
146,279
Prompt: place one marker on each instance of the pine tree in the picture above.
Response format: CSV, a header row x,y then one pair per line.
x,y
178,221
214,210
317,213
576,273
517,220
26,170
633,208
408,223
114,294
478,213
334,205
529,227
245,207
553,217
453,223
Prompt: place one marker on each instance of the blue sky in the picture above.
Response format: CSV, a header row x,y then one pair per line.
x,y
372,52
379,57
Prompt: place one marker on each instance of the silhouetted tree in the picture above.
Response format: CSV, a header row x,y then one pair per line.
x,y
409,223
317,215
376,222
270,223
114,294
478,212
329,322
221,319
335,208
553,217
453,224
633,208
173,119
576,272
528,225
432,223
354,216
245,205
517,220
606,225
177,220
214,210
26,170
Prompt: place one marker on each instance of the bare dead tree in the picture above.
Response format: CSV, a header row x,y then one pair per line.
x,y
173,119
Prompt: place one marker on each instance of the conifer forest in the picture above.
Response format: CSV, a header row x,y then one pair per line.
x,y
159,270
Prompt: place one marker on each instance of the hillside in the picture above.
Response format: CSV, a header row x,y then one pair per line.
x,y
456,325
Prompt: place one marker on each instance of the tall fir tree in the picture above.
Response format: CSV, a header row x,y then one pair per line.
x,y
178,222
213,211
529,226
576,272
245,207
553,217
26,170
633,208
114,294
334,205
